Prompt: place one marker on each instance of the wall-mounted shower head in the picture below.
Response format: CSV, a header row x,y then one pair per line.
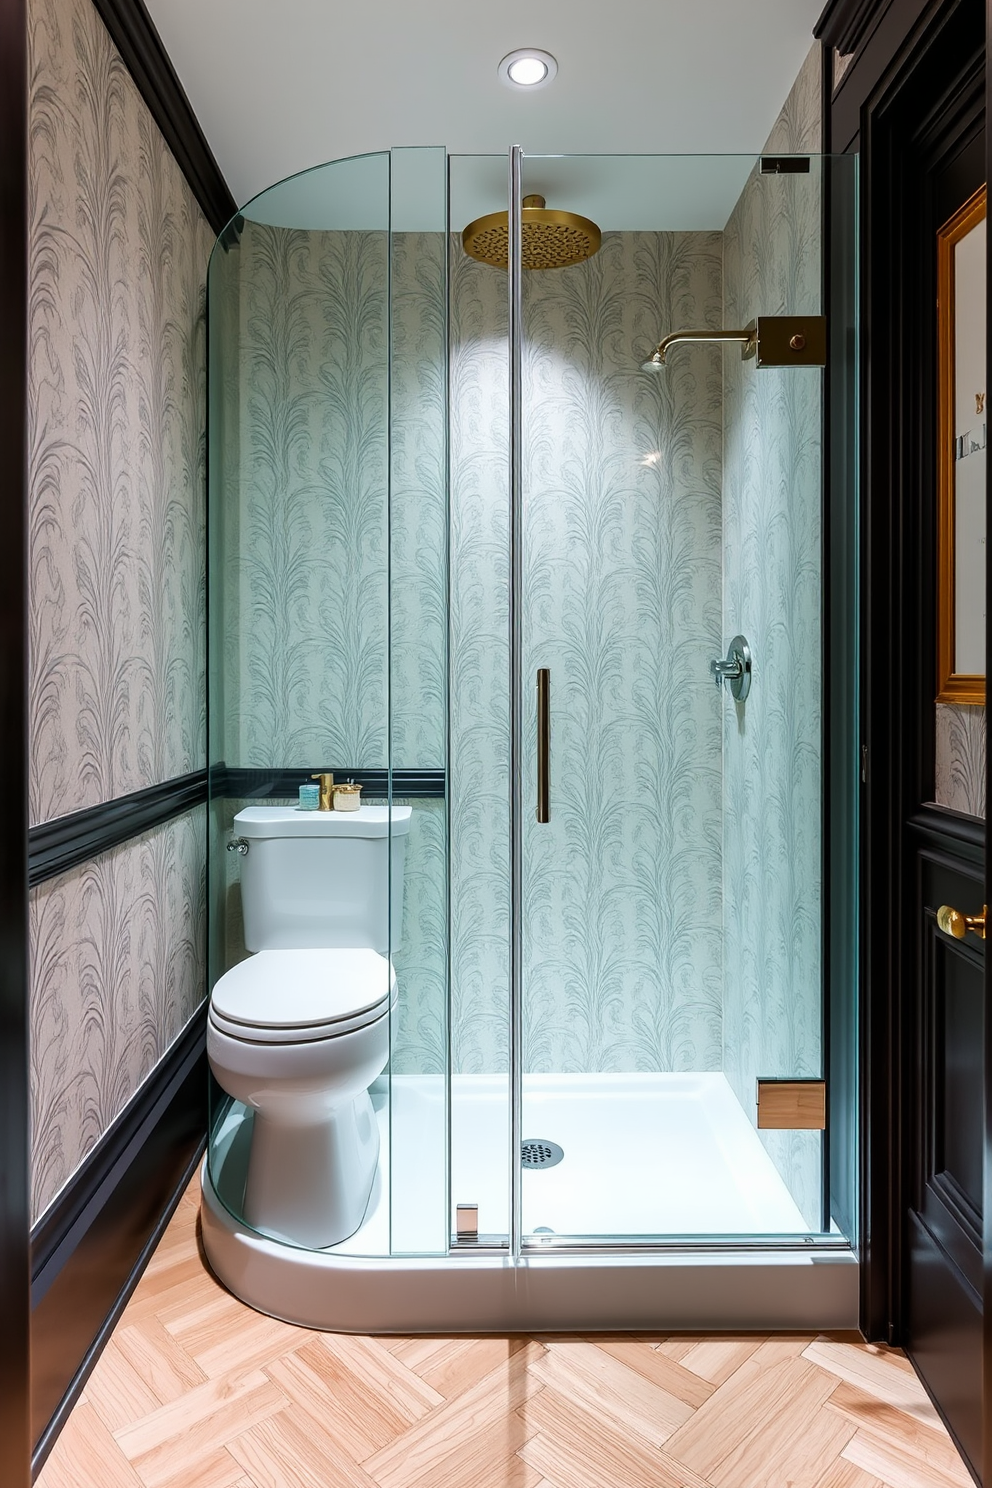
x,y
550,239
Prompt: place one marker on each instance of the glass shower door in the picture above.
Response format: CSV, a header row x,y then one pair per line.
x,y
670,900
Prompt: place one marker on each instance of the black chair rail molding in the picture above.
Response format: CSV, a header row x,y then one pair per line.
x,y
67,841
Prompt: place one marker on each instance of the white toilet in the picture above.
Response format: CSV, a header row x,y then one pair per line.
x,y
300,1029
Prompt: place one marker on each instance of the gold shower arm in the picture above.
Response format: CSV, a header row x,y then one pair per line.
x,y
746,337
772,340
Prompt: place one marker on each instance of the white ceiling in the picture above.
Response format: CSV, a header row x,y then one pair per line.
x,y
279,87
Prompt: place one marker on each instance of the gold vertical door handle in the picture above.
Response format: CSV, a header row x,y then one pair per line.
x,y
953,922
543,744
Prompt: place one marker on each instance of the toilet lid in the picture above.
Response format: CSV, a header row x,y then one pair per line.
x,y
292,996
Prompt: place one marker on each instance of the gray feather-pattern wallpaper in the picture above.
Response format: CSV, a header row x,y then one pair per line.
x,y
961,745
117,971
117,389
117,394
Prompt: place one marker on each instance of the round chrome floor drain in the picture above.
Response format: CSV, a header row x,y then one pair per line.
x,y
539,1153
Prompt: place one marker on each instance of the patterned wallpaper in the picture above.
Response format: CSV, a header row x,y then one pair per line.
x,y
307,639
772,582
118,253
961,745
622,579
117,397
116,973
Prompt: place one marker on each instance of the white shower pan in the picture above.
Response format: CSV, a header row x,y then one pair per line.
x,y
672,1153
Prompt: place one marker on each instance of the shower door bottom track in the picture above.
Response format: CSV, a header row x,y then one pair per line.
x,y
670,1290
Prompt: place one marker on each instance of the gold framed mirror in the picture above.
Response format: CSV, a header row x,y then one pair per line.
x,y
962,424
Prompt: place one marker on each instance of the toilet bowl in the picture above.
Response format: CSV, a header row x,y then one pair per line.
x,y
299,1036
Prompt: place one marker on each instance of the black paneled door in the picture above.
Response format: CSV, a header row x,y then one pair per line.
x,y
943,1240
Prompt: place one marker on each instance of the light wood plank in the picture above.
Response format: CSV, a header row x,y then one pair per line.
x,y
86,1456
452,1365
118,1392
458,1422
608,1453
407,1393
489,1457
776,1452
659,1369
354,1413
735,1410
596,1381
716,1359
879,1456
286,1452
182,1432
878,1374
221,1334
677,1346
842,1474
154,1354
928,1443
217,1469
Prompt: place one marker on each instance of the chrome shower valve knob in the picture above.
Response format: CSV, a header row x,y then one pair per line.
x,y
736,670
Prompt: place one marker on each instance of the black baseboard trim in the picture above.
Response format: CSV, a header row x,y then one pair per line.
x,y
241,785
56,846
133,32
91,1246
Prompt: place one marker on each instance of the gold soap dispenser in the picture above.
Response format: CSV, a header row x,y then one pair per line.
x,y
326,780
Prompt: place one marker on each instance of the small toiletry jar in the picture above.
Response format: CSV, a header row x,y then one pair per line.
x,y
347,797
309,797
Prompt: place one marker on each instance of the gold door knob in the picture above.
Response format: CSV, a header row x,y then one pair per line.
x,y
953,922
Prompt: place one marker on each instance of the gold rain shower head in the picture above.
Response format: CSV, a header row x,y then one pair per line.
x,y
551,239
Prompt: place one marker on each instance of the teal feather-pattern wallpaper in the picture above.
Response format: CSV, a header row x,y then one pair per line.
x,y
622,579
309,631
772,838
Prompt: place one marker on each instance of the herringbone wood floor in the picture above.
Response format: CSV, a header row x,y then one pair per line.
x,y
197,1391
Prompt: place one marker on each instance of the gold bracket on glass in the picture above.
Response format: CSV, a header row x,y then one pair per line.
x,y
792,1105
790,341
953,922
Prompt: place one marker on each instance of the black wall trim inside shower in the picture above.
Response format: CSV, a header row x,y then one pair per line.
x,y
56,846
133,32
92,1245
243,785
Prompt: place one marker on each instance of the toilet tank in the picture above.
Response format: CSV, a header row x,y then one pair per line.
x,y
322,878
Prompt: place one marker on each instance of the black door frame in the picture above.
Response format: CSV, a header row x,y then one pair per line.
x,y
15,1290
987,1209
893,46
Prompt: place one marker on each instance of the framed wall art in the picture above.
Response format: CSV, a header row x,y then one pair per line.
x,y
962,425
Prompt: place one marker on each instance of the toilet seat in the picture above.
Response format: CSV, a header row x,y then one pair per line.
x,y
300,996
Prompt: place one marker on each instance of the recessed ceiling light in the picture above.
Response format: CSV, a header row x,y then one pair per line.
x,y
528,67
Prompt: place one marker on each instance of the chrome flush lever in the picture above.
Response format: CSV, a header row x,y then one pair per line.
x,y
736,669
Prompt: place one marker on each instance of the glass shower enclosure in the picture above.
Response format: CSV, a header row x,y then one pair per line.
x,y
469,551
